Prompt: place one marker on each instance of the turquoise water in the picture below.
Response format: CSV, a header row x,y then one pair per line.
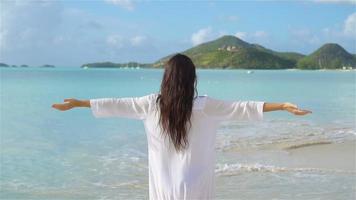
x,y
48,154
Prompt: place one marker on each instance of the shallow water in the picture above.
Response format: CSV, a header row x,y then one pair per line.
x,y
48,154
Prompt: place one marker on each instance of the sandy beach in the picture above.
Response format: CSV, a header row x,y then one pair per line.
x,y
333,156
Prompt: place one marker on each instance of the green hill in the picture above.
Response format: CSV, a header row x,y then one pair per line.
x,y
232,52
329,56
295,57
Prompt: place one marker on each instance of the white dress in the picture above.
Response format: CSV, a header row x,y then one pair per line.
x,y
184,175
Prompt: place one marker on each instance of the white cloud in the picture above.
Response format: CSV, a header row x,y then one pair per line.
x,y
127,4
115,40
241,35
202,35
138,40
25,24
350,25
336,1
343,33
47,32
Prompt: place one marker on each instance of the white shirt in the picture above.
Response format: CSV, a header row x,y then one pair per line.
x,y
180,175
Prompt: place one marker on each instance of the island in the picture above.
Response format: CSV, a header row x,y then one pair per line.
x,y
230,52
24,65
7,65
48,66
329,56
4,65
135,65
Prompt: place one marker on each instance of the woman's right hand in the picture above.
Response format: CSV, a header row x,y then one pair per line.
x,y
292,108
69,104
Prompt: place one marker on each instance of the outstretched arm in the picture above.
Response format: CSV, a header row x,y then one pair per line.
x,y
267,107
71,103
127,107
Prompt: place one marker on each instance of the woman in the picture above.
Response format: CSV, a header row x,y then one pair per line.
x,y
180,129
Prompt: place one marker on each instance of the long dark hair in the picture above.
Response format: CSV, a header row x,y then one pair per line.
x,y
178,90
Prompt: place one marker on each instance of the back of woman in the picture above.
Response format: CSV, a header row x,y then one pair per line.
x,y
184,174
189,173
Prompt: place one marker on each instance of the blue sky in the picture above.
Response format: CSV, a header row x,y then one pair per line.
x,y
74,32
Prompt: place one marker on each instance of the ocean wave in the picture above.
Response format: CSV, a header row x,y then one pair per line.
x,y
237,168
130,184
307,144
281,137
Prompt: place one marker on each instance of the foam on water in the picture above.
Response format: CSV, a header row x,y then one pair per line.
x,y
238,168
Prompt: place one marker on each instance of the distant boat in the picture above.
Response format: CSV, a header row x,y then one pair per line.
x,y
85,67
249,72
346,68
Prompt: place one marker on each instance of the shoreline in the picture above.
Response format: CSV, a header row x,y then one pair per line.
x,y
323,155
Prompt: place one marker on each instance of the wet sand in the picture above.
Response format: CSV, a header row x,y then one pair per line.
x,y
322,155
335,156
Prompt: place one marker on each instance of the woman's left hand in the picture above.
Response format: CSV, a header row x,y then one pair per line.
x,y
69,104
292,108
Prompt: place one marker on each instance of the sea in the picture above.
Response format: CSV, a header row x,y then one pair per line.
x,y
51,154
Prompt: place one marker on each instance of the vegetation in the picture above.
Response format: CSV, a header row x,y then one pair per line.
x,y
232,52
23,65
4,65
115,65
50,66
329,56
